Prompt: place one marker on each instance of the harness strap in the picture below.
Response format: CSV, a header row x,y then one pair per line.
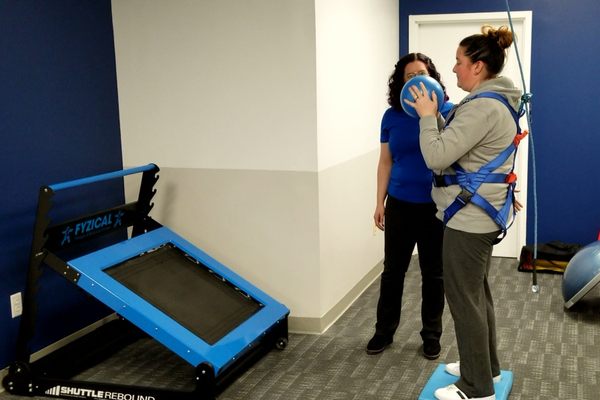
x,y
447,180
471,181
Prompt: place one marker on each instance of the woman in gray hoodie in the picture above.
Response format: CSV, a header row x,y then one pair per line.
x,y
479,129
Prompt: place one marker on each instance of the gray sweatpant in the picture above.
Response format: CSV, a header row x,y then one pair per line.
x,y
466,258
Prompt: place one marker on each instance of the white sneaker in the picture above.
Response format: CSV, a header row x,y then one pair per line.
x,y
451,392
454,369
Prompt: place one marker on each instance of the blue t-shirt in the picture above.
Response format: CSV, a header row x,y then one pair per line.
x,y
410,179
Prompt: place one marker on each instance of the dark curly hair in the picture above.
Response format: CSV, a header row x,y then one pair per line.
x,y
396,81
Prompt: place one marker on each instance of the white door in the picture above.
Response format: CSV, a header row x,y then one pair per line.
x,y
438,36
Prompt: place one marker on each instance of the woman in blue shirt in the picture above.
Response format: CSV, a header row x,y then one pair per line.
x,y
406,214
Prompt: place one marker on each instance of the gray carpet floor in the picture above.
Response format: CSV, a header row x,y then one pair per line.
x,y
552,352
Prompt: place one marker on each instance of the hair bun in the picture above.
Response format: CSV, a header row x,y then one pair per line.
x,y
503,36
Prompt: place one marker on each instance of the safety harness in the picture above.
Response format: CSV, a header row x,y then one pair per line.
x,y
470,182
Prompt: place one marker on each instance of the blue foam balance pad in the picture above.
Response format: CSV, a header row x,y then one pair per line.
x,y
441,378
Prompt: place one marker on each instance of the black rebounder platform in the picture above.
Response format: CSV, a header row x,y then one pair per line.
x,y
170,280
159,285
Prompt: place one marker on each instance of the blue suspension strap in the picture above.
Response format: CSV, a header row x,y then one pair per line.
x,y
525,99
470,182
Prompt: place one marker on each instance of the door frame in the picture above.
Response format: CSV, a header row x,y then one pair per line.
x,y
523,41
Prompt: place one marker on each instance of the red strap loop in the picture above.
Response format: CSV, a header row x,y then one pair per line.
x,y
519,137
511,177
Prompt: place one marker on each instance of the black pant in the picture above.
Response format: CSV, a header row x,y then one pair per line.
x,y
406,224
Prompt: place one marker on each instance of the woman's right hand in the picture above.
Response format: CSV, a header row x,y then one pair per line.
x,y
379,217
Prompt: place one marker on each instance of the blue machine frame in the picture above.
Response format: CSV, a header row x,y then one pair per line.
x,y
156,323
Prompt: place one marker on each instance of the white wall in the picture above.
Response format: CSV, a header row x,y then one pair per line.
x,y
263,116
217,83
357,48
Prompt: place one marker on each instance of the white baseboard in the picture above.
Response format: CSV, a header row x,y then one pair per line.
x,y
317,326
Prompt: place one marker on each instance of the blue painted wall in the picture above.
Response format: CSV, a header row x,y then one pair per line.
x,y
58,121
566,87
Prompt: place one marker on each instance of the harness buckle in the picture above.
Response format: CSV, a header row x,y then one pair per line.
x,y
439,181
464,196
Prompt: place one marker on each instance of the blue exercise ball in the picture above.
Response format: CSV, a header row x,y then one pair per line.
x,y
582,274
430,84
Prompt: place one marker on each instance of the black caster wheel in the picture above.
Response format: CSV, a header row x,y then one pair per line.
x,y
281,343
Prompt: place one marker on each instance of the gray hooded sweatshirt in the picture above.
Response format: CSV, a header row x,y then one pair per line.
x,y
481,129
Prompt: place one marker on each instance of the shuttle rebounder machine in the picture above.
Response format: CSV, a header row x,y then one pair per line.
x,y
159,285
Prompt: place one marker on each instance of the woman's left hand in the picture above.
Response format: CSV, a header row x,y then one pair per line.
x,y
516,203
423,104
